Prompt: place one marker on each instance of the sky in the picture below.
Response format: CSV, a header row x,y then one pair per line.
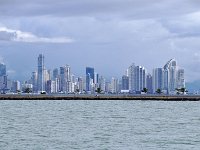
x,y
108,35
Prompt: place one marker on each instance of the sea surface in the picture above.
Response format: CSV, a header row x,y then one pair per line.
x,y
99,125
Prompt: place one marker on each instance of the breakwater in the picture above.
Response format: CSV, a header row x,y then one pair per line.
x,y
100,97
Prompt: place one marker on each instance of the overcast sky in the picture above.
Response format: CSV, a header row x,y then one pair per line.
x,y
108,35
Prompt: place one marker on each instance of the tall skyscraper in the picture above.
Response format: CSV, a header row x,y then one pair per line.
x,y
140,78
3,78
68,79
137,78
2,69
173,77
34,81
180,78
65,79
114,85
157,79
149,83
170,76
89,78
125,82
41,83
55,73
102,83
131,75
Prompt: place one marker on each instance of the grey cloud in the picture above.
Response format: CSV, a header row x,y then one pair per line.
x,y
120,8
147,32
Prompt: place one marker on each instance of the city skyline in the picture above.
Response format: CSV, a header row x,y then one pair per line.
x,y
103,34
135,79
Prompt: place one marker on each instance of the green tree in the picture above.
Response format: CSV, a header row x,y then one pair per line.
x,y
158,91
145,90
181,90
77,91
178,91
27,90
98,90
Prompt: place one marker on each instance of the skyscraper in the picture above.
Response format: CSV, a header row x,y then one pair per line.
x,y
3,78
34,81
170,76
140,78
180,79
114,85
89,78
149,83
137,78
2,69
41,83
102,83
157,79
125,82
131,75
55,73
65,79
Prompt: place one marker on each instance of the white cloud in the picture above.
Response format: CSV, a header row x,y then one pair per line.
x,y
19,36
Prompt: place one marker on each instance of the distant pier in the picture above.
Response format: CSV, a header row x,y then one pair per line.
x,y
100,97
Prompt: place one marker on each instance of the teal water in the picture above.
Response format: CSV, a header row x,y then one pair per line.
x,y
99,125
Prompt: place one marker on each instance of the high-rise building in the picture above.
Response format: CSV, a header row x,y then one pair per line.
x,y
41,82
102,84
3,78
15,86
173,77
34,81
131,75
149,83
125,82
180,78
137,78
89,78
157,79
55,73
170,76
80,84
140,78
65,79
2,70
114,85
68,79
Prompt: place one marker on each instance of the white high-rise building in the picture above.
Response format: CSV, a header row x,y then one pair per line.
x,y
180,79
114,85
140,78
65,79
137,78
131,75
173,77
102,83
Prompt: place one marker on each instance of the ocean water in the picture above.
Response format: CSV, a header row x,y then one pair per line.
x,y
99,125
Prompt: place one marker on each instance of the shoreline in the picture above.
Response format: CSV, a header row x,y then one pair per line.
x,y
102,97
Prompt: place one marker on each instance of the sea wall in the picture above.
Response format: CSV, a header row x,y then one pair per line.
x,y
101,97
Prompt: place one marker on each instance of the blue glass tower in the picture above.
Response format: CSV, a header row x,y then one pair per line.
x,y
2,70
89,77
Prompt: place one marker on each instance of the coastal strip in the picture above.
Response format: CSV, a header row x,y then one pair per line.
x,y
101,97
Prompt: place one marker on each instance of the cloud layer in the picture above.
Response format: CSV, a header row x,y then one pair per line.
x,y
109,35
